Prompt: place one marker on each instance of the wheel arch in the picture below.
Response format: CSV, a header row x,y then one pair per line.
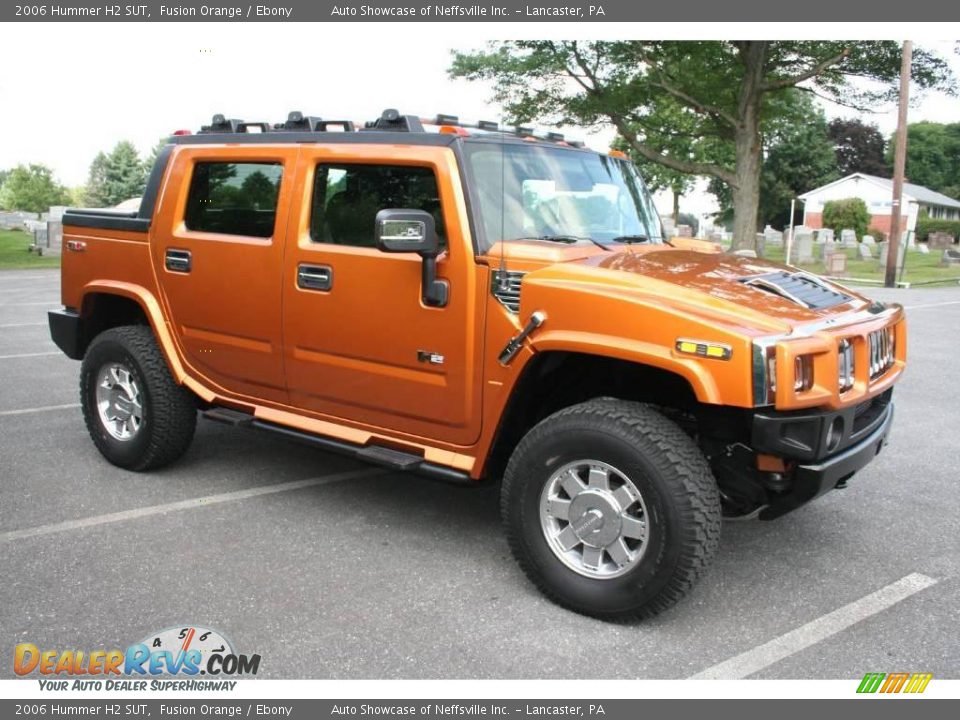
x,y
553,380
106,305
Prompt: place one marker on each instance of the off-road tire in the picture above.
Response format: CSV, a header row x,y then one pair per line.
x,y
169,409
672,475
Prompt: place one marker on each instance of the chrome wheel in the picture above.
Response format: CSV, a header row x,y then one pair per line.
x,y
594,519
119,401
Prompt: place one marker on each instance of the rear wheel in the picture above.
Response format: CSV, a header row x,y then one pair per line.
x,y
137,415
611,509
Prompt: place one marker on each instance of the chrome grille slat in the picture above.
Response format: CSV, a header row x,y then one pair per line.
x,y
845,362
882,351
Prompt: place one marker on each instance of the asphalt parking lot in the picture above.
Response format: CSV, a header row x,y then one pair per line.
x,y
368,574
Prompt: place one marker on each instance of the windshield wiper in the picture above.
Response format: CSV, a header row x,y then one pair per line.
x,y
567,239
631,239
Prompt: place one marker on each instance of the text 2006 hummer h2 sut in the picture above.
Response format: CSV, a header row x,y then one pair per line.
x,y
476,303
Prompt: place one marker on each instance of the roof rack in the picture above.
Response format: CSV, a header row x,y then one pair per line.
x,y
390,120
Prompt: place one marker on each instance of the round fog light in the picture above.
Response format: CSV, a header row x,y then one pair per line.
x,y
835,434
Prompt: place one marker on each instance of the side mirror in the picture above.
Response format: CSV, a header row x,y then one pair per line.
x,y
414,231
407,231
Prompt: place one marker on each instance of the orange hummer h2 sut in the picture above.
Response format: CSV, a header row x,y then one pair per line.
x,y
476,303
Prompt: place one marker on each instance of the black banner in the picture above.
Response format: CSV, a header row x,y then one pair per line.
x,y
877,709
485,11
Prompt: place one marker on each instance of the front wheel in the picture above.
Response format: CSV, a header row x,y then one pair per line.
x,y
611,509
137,415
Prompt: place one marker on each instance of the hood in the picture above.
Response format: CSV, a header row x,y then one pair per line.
x,y
749,292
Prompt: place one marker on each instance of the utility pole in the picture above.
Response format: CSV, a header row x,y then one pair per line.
x,y
899,166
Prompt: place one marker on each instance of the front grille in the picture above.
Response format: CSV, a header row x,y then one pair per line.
x,y
845,365
882,351
506,288
801,288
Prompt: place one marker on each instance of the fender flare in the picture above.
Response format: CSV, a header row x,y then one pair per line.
x,y
154,314
701,381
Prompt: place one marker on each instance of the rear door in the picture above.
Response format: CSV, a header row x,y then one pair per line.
x,y
218,253
360,343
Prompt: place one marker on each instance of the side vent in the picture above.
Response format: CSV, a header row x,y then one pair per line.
x,y
507,289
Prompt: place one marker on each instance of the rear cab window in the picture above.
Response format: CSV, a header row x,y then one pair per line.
x,y
234,198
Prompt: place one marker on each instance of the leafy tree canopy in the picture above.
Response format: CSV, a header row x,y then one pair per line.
x,y
933,156
115,177
729,94
859,147
32,188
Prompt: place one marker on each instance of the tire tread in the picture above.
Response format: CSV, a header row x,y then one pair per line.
x,y
696,493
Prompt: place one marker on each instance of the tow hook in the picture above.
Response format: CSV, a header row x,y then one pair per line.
x,y
515,343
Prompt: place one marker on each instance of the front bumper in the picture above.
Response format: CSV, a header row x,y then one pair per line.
x,y
812,479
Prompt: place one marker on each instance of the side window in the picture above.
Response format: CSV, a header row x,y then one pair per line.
x,y
234,198
347,198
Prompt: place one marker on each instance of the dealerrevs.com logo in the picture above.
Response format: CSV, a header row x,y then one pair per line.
x,y
186,652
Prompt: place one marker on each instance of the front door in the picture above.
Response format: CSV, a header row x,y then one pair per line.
x,y
218,253
360,344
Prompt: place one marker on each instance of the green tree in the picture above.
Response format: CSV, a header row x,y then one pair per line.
x,y
672,133
729,92
847,213
151,159
116,177
933,156
801,159
4,174
95,194
32,188
799,156
859,147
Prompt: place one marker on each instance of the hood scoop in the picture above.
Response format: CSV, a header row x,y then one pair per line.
x,y
801,288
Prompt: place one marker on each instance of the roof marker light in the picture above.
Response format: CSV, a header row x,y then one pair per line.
x,y
453,130
618,154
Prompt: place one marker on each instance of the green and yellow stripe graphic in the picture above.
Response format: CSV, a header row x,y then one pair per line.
x,y
894,682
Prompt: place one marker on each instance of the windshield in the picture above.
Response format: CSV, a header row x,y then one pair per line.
x,y
534,191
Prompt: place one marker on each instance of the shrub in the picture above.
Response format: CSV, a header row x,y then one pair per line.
x,y
878,234
927,225
849,213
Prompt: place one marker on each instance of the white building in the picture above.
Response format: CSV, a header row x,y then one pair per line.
x,y
877,193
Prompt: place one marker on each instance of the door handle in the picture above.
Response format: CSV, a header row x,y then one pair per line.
x,y
177,260
315,277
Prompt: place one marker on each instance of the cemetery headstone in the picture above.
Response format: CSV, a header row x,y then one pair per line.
x,y
950,258
939,240
836,263
802,251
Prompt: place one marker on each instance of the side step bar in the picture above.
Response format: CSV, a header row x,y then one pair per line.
x,y
229,417
375,454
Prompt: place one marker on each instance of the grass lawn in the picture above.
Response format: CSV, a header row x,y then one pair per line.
x,y
14,254
918,268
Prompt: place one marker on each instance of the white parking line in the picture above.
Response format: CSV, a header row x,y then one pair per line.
x,y
745,664
18,325
930,305
45,408
191,504
30,355
16,276
49,304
